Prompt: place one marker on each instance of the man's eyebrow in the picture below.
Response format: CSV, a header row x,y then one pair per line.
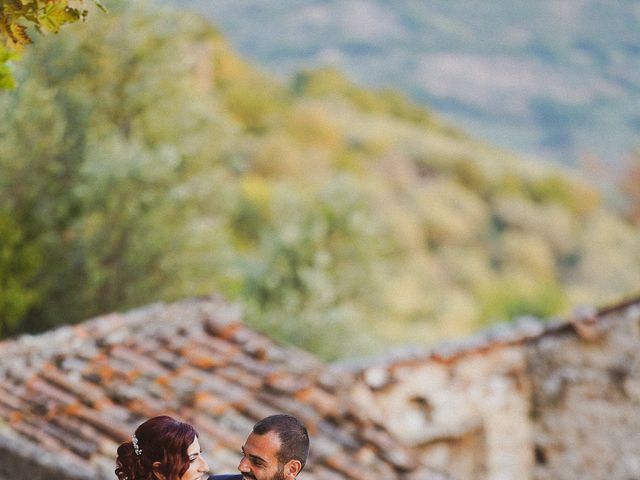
x,y
254,457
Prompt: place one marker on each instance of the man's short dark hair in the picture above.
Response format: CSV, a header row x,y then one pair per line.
x,y
294,439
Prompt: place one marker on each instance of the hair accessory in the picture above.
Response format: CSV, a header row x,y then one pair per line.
x,y
136,447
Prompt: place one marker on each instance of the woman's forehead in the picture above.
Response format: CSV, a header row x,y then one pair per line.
x,y
194,447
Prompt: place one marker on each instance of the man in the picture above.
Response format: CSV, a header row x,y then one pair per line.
x,y
276,449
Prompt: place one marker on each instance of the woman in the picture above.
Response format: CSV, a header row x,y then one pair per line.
x,y
162,448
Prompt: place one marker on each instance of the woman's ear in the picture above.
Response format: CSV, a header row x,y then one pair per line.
x,y
292,469
156,470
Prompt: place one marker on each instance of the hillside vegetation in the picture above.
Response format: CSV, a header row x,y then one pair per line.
x,y
141,159
553,79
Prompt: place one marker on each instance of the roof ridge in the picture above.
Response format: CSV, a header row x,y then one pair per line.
x,y
522,329
114,328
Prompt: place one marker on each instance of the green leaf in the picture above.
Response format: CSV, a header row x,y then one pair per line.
x,y
6,78
53,17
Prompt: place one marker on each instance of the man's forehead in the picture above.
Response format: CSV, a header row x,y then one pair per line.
x,y
265,446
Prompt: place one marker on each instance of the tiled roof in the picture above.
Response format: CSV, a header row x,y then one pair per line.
x,y
70,396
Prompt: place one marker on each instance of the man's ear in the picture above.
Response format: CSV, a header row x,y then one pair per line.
x,y
156,470
292,469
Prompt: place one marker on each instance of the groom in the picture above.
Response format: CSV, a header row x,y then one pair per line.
x,y
276,449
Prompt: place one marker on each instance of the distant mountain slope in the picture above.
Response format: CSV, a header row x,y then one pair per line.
x,y
554,79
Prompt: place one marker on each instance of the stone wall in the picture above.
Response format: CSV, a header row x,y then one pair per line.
x,y
553,401
469,418
586,402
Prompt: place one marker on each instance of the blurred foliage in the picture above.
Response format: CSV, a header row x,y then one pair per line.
x,y
329,81
142,160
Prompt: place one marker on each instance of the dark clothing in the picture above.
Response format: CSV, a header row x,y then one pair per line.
x,y
233,476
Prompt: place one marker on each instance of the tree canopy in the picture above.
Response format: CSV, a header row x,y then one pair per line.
x,y
142,160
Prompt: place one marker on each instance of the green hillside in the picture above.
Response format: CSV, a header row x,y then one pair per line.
x,y
558,80
142,159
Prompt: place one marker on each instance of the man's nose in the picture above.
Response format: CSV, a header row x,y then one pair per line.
x,y
243,466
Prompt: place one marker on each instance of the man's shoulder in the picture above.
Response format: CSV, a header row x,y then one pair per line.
x,y
233,476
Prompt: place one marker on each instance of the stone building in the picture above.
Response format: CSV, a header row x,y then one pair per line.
x,y
527,401
530,400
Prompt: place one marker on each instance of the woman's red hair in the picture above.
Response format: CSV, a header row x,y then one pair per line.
x,y
160,439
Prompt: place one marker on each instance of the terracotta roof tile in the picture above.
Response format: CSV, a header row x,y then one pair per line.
x,y
246,378
48,396
76,385
325,403
389,449
283,382
34,431
109,425
343,464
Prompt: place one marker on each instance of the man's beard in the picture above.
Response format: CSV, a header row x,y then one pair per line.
x,y
279,475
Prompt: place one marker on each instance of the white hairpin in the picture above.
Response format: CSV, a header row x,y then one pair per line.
x,y
136,447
